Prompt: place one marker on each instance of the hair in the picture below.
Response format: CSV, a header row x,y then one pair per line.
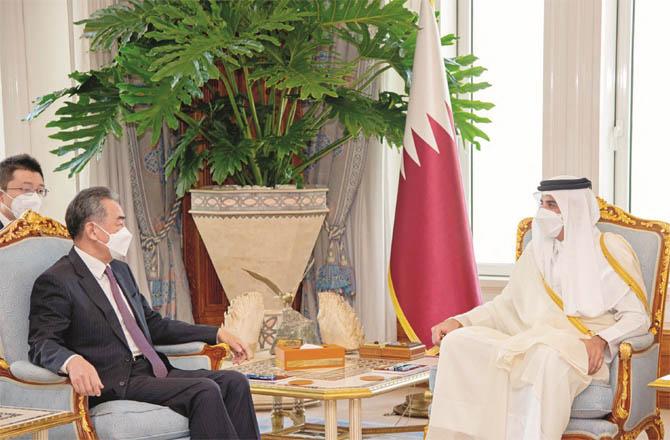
x,y
86,206
18,162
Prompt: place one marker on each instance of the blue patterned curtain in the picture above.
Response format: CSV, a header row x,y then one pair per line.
x,y
341,172
158,217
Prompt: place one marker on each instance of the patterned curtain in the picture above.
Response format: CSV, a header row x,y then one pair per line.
x,y
157,211
341,172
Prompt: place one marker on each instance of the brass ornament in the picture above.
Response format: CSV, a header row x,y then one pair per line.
x,y
32,224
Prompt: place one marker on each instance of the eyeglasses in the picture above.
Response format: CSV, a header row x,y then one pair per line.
x,y
26,190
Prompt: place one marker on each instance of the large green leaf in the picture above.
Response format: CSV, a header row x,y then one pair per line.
x,y
295,67
226,159
117,23
384,118
154,102
88,120
353,14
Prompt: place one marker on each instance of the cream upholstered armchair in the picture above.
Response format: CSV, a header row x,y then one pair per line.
x,y
625,406
28,247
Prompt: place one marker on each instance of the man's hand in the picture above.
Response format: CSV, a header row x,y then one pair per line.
x,y
444,327
84,377
240,349
595,348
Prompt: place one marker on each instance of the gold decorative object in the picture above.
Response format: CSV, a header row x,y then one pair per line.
x,y
84,425
244,318
622,405
32,224
285,297
338,323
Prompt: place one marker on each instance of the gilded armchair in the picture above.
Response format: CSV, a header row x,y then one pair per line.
x,y
626,406
29,246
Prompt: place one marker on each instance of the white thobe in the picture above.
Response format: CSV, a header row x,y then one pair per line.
x,y
515,368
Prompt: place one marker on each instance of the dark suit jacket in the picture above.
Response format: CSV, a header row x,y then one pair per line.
x,y
70,314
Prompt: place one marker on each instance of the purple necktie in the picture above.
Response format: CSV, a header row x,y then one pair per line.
x,y
135,332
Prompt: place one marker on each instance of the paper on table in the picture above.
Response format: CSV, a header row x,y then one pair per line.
x,y
309,346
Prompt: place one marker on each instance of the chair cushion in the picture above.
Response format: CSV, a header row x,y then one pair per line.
x,y
595,428
595,402
128,419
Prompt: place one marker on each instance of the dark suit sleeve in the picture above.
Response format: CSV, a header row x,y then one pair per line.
x,y
50,317
170,331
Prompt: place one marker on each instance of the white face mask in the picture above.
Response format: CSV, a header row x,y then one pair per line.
x,y
24,202
550,223
119,242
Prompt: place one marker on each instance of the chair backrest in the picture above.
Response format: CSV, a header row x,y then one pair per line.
x,y
649,239
28,246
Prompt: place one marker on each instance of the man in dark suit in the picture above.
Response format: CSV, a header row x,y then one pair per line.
x,y
21,187
89,321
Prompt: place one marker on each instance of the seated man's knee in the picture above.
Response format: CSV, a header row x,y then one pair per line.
x,y
238,381
233,381
450,339
207,387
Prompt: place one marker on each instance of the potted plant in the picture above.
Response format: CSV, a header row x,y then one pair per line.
x,y
246,86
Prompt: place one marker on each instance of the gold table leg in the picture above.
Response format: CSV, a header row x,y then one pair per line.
x,y
277,415
41,435
330,407
298,412
355,423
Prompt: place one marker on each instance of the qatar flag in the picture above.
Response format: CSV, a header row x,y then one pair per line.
x,y
432,273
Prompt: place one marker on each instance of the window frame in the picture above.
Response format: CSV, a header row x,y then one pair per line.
x,y
623,103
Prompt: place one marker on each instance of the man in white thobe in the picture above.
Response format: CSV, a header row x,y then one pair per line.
x,y
511,368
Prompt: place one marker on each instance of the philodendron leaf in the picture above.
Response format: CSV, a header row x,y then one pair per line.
x,y
117,24
86,121
227,159
154,102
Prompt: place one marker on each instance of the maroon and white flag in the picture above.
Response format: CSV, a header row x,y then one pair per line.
x,y
432,273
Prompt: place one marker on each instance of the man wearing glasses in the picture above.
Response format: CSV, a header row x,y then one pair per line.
x,y
21,187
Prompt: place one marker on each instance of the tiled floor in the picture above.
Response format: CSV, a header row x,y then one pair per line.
x,y
378,409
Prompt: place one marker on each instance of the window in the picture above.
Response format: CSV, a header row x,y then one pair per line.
x,y
2,127
648,142
642,149
501,178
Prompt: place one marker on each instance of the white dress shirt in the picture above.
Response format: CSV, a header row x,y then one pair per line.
x,y
97,268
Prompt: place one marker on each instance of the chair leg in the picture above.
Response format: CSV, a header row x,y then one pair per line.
x,y
655,430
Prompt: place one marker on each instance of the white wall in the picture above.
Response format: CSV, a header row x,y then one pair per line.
x,y
35,58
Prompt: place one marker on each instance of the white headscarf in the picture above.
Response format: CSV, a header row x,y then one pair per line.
x,y
576,267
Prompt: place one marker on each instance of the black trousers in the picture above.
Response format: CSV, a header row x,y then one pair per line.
x,y
217,403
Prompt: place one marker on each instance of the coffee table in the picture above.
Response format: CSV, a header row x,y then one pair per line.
x,y
16,421
661,384
358,379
